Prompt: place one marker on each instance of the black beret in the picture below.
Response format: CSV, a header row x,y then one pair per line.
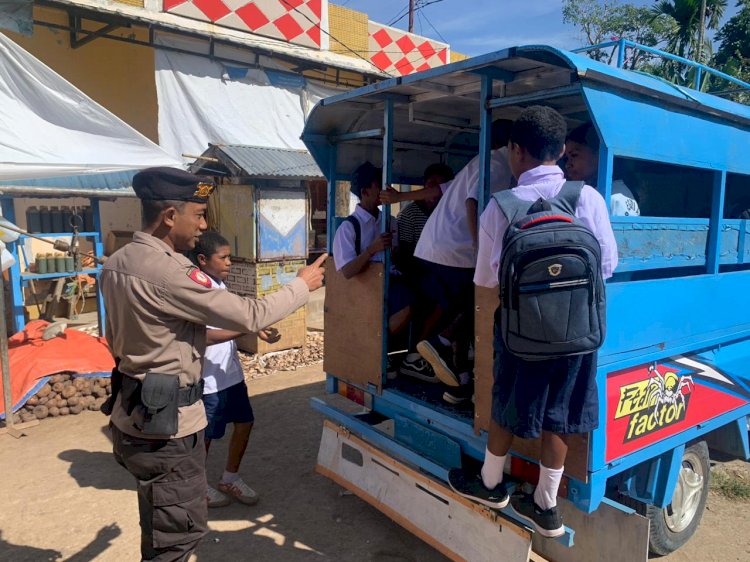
x,y
363,177
171,184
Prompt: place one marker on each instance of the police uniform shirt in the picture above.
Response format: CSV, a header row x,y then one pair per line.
x,y
158,307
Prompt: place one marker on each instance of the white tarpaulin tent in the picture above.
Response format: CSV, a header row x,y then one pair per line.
x,y
202,101
49,128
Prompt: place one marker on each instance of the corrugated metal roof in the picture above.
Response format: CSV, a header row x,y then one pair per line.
x,y
264,162
110,184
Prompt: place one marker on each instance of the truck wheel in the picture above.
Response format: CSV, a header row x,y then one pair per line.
x,y
672,526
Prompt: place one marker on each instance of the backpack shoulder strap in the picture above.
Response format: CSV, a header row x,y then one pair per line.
x,y
567,199
357,233
512,207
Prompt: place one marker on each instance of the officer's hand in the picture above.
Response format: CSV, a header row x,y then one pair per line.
x,y
389,196
314,273
381,243
269,335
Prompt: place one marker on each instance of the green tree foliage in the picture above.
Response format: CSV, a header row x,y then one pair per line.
x,y
684,37
599,22
733,54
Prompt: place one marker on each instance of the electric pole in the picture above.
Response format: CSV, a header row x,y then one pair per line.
x,y
411,15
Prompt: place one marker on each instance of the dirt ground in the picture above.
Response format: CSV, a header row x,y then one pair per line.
x,y
64,497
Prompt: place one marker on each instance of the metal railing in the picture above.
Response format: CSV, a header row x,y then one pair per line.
x,y
623,44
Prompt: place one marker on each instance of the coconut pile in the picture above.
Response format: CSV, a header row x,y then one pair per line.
x,y
65,394
257,366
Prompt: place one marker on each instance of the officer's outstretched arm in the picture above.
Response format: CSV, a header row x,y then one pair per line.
x,y
185,295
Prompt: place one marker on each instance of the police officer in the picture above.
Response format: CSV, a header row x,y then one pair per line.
x,y
158,305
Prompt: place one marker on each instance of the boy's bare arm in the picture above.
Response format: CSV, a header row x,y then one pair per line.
x,y
220,336
360,263
390,195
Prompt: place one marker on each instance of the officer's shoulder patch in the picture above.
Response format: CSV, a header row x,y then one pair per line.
x,y
199,277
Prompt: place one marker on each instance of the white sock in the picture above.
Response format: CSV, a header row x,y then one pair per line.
x,y
464,378
545,495
412,356
444,341
230,477
492,469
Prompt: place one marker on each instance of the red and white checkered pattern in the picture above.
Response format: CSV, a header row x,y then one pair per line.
x,y
399,52
279,19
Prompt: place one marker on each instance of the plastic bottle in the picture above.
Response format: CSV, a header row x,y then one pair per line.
x,y
33,219
60,263
57,219
51,264
45,220
69,264
41,264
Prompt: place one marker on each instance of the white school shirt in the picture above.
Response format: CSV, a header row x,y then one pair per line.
x,y
343,242
544,182
446,238
622,202
221,364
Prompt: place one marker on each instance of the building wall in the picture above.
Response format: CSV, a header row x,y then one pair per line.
x,y
117,75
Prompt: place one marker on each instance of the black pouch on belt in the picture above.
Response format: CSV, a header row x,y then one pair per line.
x,y
160,402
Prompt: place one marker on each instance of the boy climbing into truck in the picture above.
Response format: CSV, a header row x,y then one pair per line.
x,y
537,391
447,254
358,242
225,394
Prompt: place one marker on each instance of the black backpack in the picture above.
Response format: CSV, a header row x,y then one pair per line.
x,y
551,286
357,233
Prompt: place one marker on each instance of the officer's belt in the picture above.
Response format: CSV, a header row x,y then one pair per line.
x,y
186,396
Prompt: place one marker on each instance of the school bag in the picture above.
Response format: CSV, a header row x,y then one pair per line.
x,y
551,285
357,233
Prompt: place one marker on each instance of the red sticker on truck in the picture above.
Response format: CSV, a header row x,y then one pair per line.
x,y
650,402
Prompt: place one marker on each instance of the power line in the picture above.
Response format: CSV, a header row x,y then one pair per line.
x,y
320,27
434,28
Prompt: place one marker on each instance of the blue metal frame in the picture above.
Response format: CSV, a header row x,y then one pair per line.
x,y
18,280
623,44
650,320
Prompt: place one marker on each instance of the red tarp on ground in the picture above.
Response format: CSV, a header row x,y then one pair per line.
x,y
33,359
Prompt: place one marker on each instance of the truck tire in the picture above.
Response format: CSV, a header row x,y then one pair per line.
x,y
672,526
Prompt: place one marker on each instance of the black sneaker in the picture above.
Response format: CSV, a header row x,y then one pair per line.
x,y
471,487
547,522
440,358
419,369
460,394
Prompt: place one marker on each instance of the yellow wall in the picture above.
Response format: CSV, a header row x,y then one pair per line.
x,y
350,26
455,57
118,75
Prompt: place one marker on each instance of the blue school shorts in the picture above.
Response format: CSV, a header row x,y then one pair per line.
x,y
555,395
231,405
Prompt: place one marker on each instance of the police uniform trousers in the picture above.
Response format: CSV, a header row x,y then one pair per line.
x,y
171,477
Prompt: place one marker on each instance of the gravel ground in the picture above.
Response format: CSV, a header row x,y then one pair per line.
x,y
258,366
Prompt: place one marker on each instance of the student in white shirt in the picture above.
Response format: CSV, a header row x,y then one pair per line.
x,y
358,242
447,250
225,392
582,164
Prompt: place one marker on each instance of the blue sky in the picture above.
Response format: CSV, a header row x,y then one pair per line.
x,y
474,27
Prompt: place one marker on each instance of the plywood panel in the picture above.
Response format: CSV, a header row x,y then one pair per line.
x,y
487,301
353,317
235,218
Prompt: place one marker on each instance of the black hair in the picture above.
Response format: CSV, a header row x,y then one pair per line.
x,y
442,170
363,177
207,245
501,132
152,208
586,135
541,131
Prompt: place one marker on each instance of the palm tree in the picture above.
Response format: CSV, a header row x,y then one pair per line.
x,y
687,38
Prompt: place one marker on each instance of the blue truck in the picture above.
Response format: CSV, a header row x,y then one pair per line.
x,y
673,376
